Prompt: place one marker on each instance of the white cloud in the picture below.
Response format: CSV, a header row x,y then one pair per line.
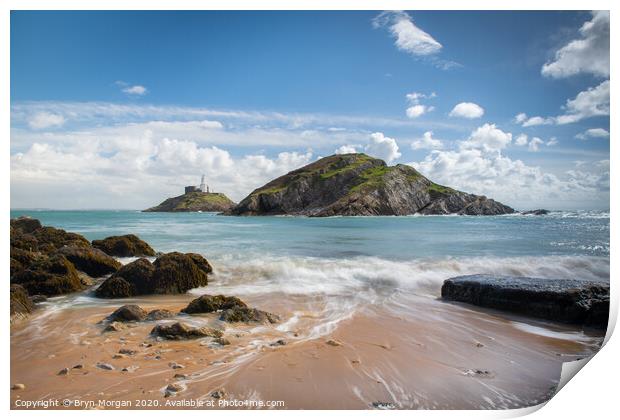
x,y
137,90
487,137
382,147
346,149
534,121
137,173
42,120
521,140
552,141
513,182
427,142
467,110
593,133
589,103
588,54
416,111
534,144
520,118
593,102
409,38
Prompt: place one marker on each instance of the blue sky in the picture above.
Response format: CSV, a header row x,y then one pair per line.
x,y
136,104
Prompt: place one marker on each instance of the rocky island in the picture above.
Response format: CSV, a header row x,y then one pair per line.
x,y
196,198
359,185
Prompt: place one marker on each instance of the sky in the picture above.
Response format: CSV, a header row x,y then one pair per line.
x,y
122,109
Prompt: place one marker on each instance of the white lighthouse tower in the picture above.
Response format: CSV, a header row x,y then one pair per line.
x,y
203,187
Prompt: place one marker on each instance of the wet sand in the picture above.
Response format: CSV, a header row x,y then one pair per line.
x,y
411,351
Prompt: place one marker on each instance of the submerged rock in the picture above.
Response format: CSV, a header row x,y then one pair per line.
x,y
538,212
181,331
563,300
359,185
124,246
171,273
92,261
210,303
248,315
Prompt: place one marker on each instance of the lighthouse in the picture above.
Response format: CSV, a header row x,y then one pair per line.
x,y
203,186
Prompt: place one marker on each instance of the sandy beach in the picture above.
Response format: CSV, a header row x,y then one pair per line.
x,y
421,353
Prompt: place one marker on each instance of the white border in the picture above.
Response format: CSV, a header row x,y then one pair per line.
x,y
592,395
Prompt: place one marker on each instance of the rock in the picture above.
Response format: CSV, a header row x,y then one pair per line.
x,y
115,287
127,313
195,201
130,369
217,394
359,185
222,341
171,273
201,262
537,212
49,276
114,327
78,366
50,239
177,273
21,304
127,351
25,224
563,300
63,371
181,331
173,388
210,303
18,387
105,366
118,356
333,343
175,365
248,315
92,261
159,314
278,343
479,373
124,246
38,298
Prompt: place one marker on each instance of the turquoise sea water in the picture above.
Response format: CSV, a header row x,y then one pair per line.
x,y
331,255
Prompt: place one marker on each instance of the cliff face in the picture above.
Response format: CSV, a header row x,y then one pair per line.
x,y
195,201
358,185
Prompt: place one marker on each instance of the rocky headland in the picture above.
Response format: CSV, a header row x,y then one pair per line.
x,y
195,201
359,185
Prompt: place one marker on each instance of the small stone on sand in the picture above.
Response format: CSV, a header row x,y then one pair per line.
x,y
333,343
18,386
63,371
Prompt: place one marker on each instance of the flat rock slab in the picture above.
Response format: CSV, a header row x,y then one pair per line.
x,y
563,300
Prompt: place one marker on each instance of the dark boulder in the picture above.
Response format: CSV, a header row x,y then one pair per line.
x,y
21,304
177,273
127,313
49,276
180,331
201,262
124,246
115,287
50,239
92,261
25,224
209,303
172,273
248,315
570,301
